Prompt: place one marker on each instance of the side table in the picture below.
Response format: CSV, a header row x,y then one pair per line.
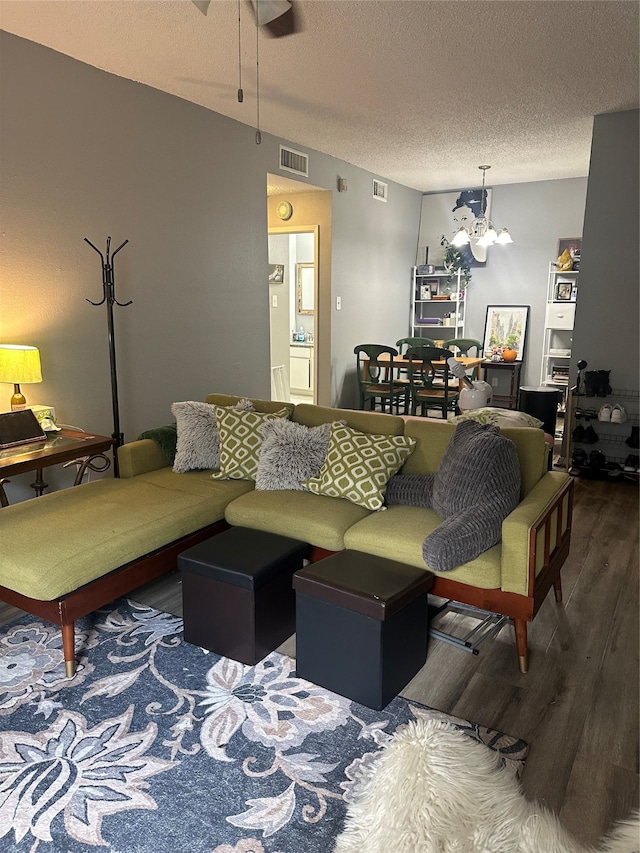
x,y
65,446
511,399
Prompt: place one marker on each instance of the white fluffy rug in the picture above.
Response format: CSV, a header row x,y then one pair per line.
x,y
435,790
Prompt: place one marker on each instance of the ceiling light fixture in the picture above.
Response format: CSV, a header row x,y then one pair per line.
x,y
481,229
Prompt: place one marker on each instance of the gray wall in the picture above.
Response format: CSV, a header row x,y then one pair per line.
x,y
537,214
606,329
89,154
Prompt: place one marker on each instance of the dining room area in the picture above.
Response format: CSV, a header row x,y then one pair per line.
x,y
421,377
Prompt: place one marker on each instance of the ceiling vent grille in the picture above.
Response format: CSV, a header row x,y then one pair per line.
x,y
294,161
380,190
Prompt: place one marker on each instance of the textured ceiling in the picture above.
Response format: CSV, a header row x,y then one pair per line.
x,y
418,92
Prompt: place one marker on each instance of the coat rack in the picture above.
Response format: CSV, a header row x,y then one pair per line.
x,y
109,298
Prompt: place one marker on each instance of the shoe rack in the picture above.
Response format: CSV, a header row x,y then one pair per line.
x,y
586,436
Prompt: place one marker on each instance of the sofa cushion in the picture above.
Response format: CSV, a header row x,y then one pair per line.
x,y
316,519
499,417
198,439
358,465
399,534
240,441
290,454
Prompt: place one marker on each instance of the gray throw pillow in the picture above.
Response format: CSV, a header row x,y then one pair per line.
x,y
474,489
290,454
198,439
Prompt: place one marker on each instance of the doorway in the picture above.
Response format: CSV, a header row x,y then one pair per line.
x,y
299,240
293,305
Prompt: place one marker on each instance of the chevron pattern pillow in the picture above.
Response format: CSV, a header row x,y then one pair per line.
x,y
358,465
241,440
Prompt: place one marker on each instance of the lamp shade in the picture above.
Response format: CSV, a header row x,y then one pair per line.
x,y
19,363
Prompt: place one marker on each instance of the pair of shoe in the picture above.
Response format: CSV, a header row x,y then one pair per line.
x,y
579,458
585,436
616,414
597,459
587,414
634,439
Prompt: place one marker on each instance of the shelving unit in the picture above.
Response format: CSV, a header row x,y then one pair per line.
x,y
558,331
433,296
612,437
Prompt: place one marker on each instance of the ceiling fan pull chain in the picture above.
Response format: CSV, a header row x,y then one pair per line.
x,y
258,134
240,92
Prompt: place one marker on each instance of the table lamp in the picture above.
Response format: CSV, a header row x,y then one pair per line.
x,y
18,364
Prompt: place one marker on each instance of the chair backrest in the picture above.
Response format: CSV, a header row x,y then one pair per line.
x,y
414,342
464,345
423,373
371,368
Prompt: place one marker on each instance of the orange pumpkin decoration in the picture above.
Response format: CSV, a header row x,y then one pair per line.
x,y
509,354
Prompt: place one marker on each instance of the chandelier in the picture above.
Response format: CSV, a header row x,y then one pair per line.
x,y
481,229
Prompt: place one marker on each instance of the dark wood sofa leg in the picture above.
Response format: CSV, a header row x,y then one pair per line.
x,y
69,650
521,644
557,588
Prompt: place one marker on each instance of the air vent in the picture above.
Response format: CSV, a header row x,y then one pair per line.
x,y
380,190
294,161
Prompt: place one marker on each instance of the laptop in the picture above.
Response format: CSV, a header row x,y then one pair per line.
x,y
20,427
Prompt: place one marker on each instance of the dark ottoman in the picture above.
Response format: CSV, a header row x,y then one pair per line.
x,y
361,625
236,592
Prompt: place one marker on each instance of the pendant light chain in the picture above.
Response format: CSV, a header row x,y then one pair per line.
x,y
258,134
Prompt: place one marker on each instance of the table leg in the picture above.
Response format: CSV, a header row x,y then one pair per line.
x,y
39,484
4,500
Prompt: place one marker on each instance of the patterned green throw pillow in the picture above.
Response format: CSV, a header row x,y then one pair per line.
x,y
358,465
240,441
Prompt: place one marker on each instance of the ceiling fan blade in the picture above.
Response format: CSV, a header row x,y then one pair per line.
x,y
203,5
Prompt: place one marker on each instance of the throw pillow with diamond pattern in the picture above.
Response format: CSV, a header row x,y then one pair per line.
x,y
358,465
240,441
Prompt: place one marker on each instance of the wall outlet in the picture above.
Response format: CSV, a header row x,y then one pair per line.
x,y
494,382
338,303
274,301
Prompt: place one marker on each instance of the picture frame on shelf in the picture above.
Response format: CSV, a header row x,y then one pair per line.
x,y
276,273
574,244
425,291
564,291
506,326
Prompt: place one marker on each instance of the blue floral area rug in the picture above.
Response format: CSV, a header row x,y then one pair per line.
x,y
157,746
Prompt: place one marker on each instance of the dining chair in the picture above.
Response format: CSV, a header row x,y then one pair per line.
x,y
378,377
464,345
431,386
404,343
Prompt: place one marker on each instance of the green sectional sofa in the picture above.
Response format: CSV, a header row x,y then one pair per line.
x,y
69,552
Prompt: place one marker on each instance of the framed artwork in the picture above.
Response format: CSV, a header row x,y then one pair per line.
x,y
574,244
276,273
564,291
506,326
425,291
442,215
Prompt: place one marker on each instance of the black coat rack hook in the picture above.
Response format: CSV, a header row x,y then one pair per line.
x,y
108,275
109,297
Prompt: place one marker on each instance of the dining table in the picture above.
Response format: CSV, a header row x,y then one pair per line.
x,y
400,361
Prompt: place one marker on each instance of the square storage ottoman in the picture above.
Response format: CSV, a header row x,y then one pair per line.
x,y
361,625
237,596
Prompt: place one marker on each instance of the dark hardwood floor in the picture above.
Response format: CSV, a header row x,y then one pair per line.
x,y
578,704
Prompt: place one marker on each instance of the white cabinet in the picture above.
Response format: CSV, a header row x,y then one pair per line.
x,y
562,290
302,369
437,306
